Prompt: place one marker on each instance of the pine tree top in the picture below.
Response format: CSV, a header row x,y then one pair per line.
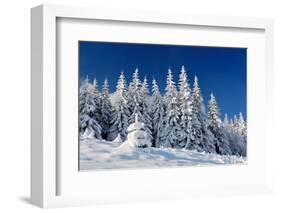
x,y
241,118
121,84
136,81
155,88
171,89
95,84
105,87
225,120
235,119
144,87
197,97
213,113
197,91
184,88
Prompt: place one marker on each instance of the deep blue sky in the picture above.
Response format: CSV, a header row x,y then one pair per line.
x,y
220,70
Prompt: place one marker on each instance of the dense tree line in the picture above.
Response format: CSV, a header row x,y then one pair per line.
x,y
175,119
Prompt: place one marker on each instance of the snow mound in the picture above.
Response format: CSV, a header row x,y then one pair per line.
x,y
137,136
99,154
136,126
87,134
137,139
118,139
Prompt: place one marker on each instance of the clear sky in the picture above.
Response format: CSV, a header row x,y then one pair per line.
x,y
221,71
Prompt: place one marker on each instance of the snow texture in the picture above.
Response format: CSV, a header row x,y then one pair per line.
x,y
100,154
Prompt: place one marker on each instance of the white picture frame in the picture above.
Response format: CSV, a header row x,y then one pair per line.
x,y
45,168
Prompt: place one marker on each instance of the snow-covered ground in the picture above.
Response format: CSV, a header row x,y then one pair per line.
x,y
100,154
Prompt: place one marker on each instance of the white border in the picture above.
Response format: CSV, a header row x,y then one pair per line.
x,y
71,182
44,173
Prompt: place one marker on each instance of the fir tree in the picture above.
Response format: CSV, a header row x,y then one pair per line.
x,y
137,135
97,97
244,134
231,122
120,114
202,139
171,89
157,113
221,143
169,138
134,98
185,109
225,120
145,106
241,126
89,126
235,123
236,143
106,110
213,113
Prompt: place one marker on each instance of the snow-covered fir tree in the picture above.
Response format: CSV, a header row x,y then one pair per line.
x,y
245,132
97,97
213,113
89,126
235,123
106,110
241,125
137,135
157,113
185,109
231,122
170,134
235,140
135,98
226,121
145,106
221,143
121,113
202,139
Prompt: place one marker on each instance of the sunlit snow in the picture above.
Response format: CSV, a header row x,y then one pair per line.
x,y
100,154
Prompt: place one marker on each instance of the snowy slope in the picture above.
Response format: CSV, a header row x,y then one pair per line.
x,y
98,154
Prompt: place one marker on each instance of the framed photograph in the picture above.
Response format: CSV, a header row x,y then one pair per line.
x,y
129,126
131,106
